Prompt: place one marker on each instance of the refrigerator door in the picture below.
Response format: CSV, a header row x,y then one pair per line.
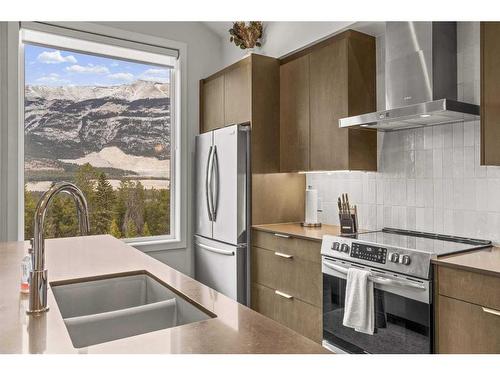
x,y
204,154
221,267
230,184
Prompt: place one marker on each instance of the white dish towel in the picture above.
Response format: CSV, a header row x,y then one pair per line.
x,y
359,310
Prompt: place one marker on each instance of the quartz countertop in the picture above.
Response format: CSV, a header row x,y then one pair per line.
x,y
486,261
297,230
235,329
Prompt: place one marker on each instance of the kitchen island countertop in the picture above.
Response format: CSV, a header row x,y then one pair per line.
x,y
235,329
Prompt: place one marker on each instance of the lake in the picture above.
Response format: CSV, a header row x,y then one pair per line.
x,y
148,184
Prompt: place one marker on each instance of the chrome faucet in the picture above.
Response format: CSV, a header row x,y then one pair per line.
x,y
38,274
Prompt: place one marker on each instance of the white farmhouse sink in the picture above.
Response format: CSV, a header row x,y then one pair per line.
x,y
112,308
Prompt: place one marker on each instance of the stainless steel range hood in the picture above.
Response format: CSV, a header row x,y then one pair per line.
x,y
420,79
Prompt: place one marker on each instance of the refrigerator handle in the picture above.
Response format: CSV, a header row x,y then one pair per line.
x,y
215,200
208,183
215,250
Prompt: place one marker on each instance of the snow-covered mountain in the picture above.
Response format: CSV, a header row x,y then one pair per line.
x,y
137,90
70,122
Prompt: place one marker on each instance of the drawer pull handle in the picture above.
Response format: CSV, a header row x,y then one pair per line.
x,y
283,255
281,235
491,311
287,296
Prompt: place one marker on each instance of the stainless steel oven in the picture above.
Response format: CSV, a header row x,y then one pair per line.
x,y
403,312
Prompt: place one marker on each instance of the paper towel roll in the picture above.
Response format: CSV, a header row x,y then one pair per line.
x,y
311,206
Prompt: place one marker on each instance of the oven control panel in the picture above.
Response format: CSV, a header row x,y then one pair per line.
x,y
369,252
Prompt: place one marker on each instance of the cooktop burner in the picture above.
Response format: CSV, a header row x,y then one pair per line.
x,y
428,242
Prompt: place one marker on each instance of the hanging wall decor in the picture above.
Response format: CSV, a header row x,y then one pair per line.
x,y
246,35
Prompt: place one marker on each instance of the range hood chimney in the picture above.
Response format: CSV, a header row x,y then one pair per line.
x,y
420,79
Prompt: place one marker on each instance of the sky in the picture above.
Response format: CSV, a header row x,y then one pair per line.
x,y
53,67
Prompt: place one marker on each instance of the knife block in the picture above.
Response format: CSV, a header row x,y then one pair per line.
x,y
348,223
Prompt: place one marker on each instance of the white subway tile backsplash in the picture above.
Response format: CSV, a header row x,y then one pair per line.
x,y
428,178
437,163
469,128
458,162
458,135
437,137
428,138
447,136
447,162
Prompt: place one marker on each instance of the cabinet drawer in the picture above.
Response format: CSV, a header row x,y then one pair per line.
x,y
467,328
285,272
299,248
291,312
468,286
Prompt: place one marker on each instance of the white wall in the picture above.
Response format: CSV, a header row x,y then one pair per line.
x,y
428,179
281,38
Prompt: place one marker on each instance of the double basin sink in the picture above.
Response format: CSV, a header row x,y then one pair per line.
x,y
115,307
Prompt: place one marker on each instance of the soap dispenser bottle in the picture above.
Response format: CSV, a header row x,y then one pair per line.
x,y
26,267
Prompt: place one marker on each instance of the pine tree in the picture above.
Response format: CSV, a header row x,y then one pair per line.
x,y
85,178
104,205
114,229
145,230
130,229
29,213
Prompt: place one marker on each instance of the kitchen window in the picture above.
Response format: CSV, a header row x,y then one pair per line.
x,y
102,113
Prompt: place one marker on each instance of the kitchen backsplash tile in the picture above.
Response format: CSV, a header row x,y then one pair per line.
x,y
428,178
441,189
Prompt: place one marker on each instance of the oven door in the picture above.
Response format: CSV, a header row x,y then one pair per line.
x,y
403,313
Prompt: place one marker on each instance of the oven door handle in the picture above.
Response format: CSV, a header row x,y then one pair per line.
x,y
378,279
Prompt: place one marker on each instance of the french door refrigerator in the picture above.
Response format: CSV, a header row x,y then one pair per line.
x,y
221,246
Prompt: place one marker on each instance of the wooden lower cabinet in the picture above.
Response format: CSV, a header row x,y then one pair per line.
x,y
287,281
466,328
467,312
287,273
291,312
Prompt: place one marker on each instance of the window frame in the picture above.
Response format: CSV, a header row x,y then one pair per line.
x,y
178,165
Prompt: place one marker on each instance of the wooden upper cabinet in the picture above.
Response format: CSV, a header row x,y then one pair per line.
x,y
336,79
294,115
212,103
490,93
328,104
246,91
237,92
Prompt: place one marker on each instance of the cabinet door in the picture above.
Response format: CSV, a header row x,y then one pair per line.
x,y
466,328
237,94
490,93
212,104
294,115
297,315
328,93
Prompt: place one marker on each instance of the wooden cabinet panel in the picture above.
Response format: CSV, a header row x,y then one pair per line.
x,y
212,104
302,317
490,93
468,286
299,248
465,328
287,273
294,115
334,79
328,101
237,94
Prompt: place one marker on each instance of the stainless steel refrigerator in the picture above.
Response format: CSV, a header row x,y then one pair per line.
x,y
222,210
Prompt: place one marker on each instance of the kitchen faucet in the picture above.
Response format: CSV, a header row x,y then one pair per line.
x,y
38,274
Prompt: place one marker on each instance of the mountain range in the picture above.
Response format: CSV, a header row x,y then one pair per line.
x,y
69,122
